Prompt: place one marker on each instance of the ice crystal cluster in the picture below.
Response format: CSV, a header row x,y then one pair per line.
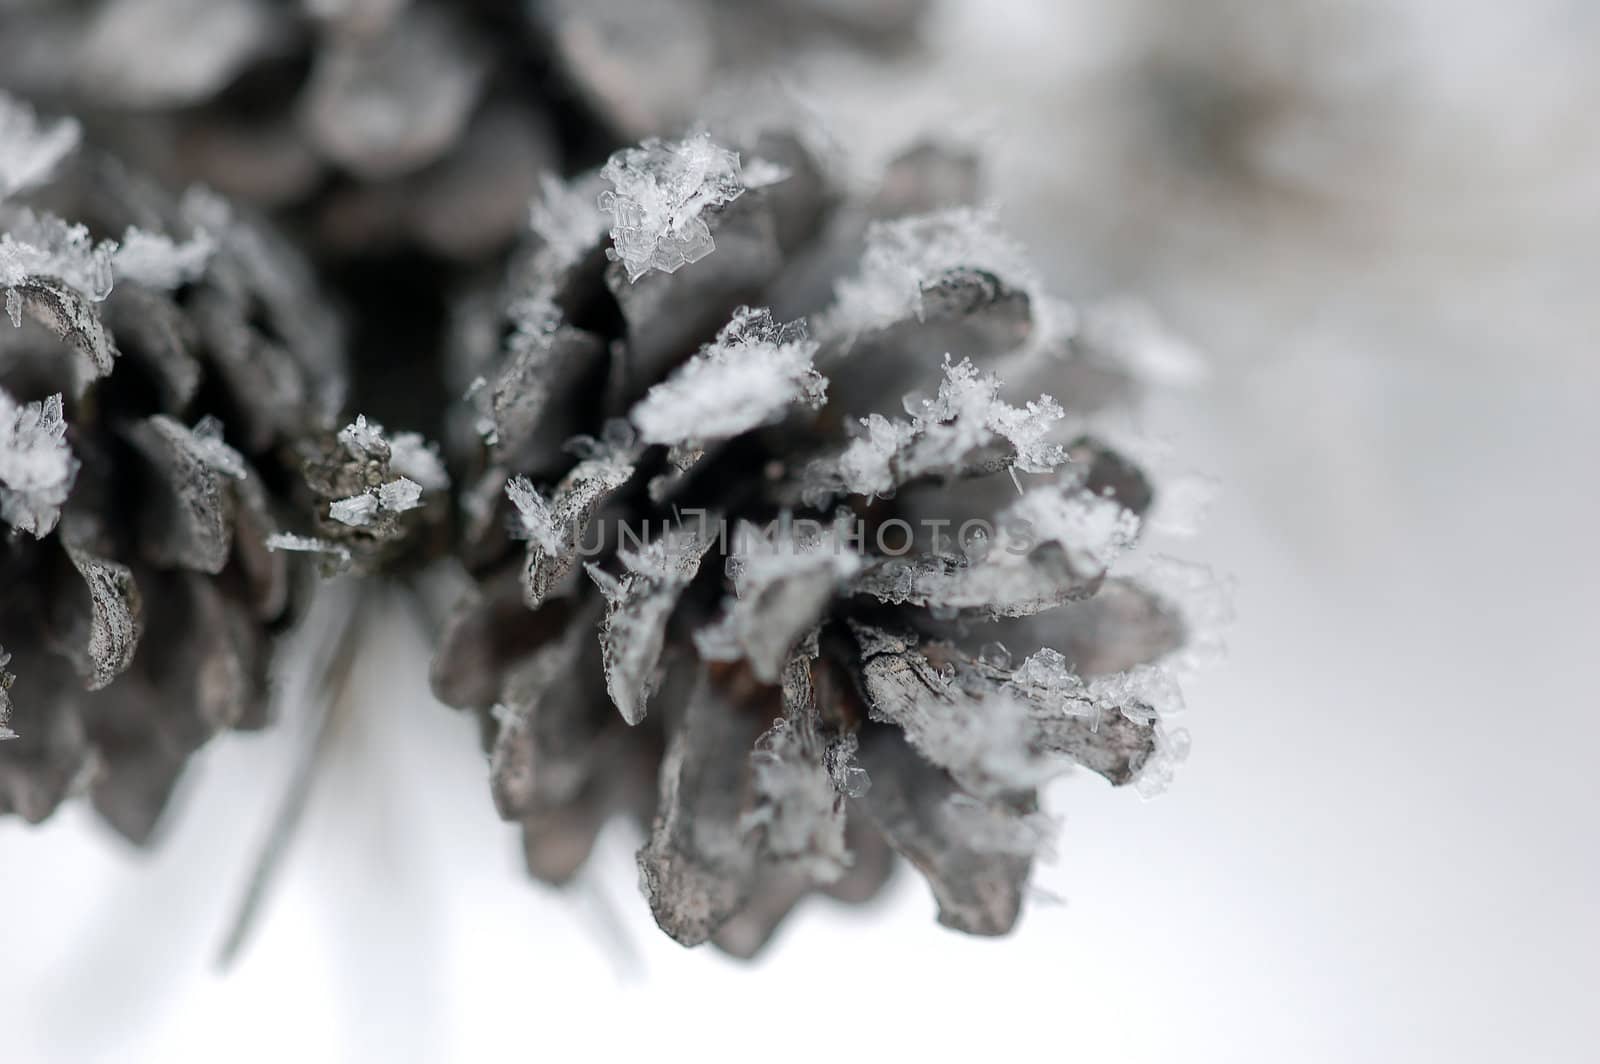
x,y
375,497
659,191
762,495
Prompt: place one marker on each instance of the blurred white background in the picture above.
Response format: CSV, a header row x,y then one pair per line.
x,y
1384,846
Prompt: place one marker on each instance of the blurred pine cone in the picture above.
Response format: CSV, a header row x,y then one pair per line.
x,y
401,141
801,532
164,360
401,122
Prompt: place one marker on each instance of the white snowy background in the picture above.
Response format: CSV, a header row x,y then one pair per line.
x,y
1384,846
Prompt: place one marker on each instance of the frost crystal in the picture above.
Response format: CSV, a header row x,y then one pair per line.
x,y
1144,693
306,545
907,257
400,495
1093,530
540,522
849,778
967,429
364,439
1046,677
42,245
659,191
36,464
357,510
214,452
748,377
406,452
639,605
395,497
156,260
29,149
867,466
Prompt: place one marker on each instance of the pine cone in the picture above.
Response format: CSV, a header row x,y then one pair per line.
x,y
164,360
755,437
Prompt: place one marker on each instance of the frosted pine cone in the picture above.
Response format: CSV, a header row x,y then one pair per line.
x,y
163,361
766,477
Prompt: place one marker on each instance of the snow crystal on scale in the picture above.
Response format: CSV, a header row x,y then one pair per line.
x,y
42,245
956,433
748,377
905,255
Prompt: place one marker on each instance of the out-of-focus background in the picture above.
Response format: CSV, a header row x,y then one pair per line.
x,y
1380,223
